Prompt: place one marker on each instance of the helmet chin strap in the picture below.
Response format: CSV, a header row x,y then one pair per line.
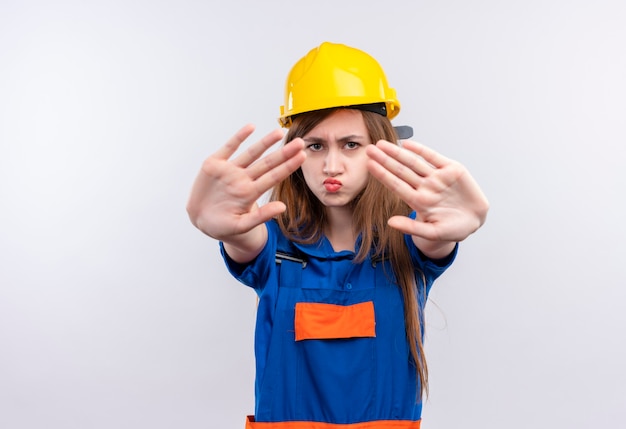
x,y
404,132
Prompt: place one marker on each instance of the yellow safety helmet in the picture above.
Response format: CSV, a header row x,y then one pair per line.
x,y
336,75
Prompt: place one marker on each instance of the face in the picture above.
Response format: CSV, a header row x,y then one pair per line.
x,y
335,168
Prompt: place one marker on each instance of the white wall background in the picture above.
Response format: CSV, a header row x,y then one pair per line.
x,y
116,313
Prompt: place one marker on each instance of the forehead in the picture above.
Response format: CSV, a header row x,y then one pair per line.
x,y
340,123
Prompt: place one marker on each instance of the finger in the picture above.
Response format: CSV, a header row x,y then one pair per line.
x,y
405,158
394,183
275,159
393,166
430,155
255,151
292,158
233,143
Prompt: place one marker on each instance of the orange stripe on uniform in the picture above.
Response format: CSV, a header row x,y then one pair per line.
x,y
377,424
327,321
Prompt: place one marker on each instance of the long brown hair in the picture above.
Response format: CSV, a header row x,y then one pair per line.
x,y
305,217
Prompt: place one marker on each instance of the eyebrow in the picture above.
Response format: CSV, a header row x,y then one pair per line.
x,y
351,137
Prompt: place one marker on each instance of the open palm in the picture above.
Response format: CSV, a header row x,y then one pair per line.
x,y
449,203
223,198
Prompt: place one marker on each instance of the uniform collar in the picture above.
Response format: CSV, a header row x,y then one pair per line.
x,y
324,250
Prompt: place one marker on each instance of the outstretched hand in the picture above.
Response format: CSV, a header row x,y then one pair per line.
x,y
223,198
449,203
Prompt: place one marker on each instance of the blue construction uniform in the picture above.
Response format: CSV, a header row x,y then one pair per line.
x,y
362,371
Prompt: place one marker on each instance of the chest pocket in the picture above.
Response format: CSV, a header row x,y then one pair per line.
x,y
319,321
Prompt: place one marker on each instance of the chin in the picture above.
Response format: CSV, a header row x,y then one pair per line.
x,y
335,202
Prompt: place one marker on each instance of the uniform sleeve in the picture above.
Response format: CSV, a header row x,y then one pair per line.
x,y
431,268
256,272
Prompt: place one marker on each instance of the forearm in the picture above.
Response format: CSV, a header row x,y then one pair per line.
x,y
434,249
243,248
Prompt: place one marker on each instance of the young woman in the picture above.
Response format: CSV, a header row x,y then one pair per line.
x,y
344,254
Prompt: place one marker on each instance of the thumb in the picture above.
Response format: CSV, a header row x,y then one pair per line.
x,y
262,214
415,227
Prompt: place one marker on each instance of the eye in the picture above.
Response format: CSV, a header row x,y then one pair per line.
x,y
315,147
352,145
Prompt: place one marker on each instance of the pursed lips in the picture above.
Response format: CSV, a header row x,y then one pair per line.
x,y
332,185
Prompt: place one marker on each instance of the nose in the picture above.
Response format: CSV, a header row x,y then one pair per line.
x,y
333,164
